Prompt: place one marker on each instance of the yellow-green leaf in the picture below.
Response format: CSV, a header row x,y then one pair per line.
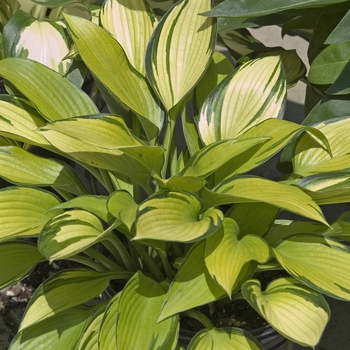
x,y
254,92
225,255
297,312
132,24
317,261
175,216
180,50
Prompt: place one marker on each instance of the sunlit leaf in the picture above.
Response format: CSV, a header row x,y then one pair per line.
x,y
175,216
224,338
132,24
225,255
317,261
143,293
24,211
62,291
179,50
254,92
54,96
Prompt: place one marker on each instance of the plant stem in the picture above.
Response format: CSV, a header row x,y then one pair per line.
x,y
88,262
108,263
199,317
107,181
151,264
117,247
168,140
167,268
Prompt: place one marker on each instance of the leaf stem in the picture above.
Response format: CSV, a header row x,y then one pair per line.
x,y
197,315
108,263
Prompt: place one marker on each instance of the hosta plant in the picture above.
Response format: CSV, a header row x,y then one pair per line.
x,y
155,198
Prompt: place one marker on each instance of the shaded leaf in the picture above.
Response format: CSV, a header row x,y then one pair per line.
x,y
17,260
192,285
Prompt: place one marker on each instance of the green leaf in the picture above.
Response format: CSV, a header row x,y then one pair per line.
x,y
17,260
54,96
42,41
218,69
175,216
311,158
328,188
319,262
21,167
96,205
180,50
68,234
224,338
341,31
143,293
62,291
213,156
252,93
247,189
123,207
24,211
279,132
105,142
20,125
63,331
98,49
284,228
294,67
225,255
297,312
192,285
328,65
90,336
108,330
250,8
132,24
256,218
180,183
341,85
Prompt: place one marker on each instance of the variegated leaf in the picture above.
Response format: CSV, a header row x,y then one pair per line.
x,y
175,216
297,312
180,50
132,23
254,92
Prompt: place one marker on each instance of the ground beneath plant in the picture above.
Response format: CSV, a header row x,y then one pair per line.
x,y
14,299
